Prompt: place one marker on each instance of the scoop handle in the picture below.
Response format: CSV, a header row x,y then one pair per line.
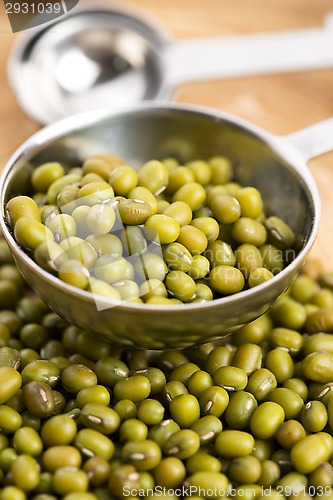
x,y
234,56
314,140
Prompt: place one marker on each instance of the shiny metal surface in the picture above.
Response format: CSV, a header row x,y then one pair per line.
x,y
137,134
101,56
95,57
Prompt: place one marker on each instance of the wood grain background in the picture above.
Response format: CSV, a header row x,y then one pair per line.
x,y
280,103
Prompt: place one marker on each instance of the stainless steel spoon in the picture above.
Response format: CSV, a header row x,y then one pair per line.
x,y
102,56
276,165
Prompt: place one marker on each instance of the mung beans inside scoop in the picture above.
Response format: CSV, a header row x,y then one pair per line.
x,y
167,233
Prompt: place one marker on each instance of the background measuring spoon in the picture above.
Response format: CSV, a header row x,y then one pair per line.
x,y
110,56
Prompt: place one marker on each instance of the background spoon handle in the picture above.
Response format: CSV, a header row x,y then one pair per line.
x,y
209,58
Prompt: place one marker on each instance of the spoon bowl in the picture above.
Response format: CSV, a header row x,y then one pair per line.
x,y
273,164
93,56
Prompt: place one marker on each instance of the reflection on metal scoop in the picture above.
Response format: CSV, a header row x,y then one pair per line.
x,y
100,59
109,57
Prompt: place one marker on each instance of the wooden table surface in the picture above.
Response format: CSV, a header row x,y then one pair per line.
x,y
281,103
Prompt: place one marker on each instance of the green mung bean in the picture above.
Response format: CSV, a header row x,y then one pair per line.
x,y
86,419
194,206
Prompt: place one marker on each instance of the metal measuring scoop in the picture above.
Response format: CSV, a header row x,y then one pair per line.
x,y
108,56
275,165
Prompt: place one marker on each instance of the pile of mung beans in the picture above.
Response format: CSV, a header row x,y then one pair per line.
x,y
81,419
165,234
